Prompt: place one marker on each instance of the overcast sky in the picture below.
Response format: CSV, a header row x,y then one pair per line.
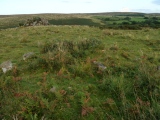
x,y
77,6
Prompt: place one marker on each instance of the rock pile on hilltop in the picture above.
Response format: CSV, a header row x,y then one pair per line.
x,y
36,21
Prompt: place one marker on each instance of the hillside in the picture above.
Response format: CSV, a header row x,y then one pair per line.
x,y
78,71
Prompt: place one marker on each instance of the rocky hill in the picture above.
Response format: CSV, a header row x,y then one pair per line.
x,y
35,22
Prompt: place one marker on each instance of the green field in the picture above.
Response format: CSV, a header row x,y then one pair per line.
x,y
62,80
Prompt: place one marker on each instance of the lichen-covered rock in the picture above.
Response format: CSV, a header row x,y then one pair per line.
x,y
6,66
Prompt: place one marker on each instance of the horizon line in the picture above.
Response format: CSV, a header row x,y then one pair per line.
x,y
77,13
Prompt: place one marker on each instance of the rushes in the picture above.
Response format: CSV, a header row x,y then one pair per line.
x,y
58,54
70,46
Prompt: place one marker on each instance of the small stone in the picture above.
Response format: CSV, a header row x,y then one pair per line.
x,y
100,66
70,88
53,89
28,55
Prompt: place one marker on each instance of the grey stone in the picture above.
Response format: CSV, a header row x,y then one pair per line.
x,y
100,66
28,55
34,23
53,89
6,66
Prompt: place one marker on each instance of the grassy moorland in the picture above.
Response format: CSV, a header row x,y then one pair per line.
x,y
62,82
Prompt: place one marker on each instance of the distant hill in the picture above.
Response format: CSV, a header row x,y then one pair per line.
x,y
10,21
118,13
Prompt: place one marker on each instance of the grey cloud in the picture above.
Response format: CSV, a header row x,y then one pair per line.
x,y
157,2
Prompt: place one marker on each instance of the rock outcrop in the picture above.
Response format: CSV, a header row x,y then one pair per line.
x,y
36,21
